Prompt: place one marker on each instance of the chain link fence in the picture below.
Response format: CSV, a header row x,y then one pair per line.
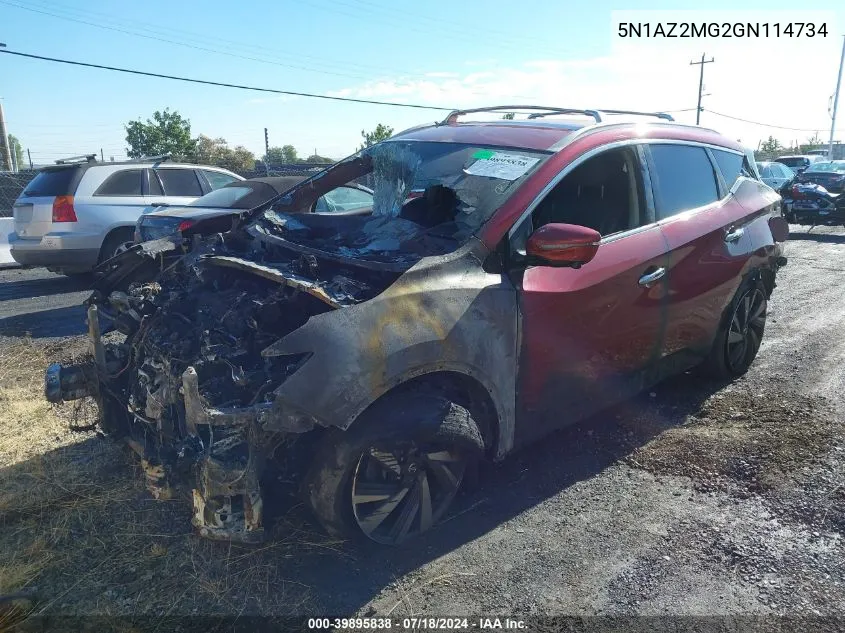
x,y
13,183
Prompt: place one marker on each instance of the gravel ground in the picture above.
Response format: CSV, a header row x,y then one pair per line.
x,y
695,499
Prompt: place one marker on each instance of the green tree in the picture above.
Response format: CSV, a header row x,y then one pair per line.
x,y
813,142
216,151
509,116
770,147
381,133
284,155
16,150
166,133
316,158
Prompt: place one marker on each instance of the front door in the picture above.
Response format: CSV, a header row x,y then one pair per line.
x,y
591,335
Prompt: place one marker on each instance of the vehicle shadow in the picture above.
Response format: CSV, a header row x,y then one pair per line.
x,y
28,288
299,571
829,238
57,322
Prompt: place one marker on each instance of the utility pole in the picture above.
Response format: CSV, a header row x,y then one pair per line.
x,y
266,152
29,156
836,102
700,84
5,153
102,159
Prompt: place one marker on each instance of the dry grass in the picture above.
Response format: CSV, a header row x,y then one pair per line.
x,y
78,529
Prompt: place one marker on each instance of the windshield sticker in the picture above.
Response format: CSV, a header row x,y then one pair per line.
x,y
501,165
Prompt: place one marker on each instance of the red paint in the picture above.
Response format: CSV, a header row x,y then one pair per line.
x,y
563,243
588,333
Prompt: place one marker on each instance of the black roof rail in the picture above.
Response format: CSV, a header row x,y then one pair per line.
x,y
659,115
542,111
151,159
72,160
453,116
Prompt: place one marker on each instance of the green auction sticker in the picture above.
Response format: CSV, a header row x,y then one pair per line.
x,y
483,154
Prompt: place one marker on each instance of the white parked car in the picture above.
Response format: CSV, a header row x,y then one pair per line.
x,y
80,212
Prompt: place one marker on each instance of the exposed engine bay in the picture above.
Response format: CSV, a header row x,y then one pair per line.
x,y
190,379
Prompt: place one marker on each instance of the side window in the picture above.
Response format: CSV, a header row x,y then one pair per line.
x,y
155,186
766,172
180,182
122,183
684,178
217,179
604,193
730,164
344,199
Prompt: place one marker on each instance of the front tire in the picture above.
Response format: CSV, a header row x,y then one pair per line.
x,y
394,473
740,334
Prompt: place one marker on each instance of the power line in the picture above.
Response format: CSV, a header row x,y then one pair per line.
x,y
157,36
736,118
223,84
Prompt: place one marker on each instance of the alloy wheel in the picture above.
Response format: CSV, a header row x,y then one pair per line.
x,y
400,491
122,248
746,330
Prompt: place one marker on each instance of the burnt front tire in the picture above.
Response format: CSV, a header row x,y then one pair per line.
x,y
394,473
740,333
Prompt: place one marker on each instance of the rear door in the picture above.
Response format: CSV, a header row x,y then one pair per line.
x,y
705,227
33,210
115,200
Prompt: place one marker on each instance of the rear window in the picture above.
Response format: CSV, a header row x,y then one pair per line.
x,y
685,178
837,167
792,162
55,182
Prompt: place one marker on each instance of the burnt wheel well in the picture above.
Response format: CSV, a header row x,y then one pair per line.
x,y
460,389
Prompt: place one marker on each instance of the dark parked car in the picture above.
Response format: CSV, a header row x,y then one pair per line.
x,y
828,174
799,163
240,196
542,270
775,174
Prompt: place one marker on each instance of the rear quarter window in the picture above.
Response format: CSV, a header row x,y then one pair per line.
x,y
684,178
54,182
731,166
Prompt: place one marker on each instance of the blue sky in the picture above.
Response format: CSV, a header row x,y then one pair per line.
x,y
439,52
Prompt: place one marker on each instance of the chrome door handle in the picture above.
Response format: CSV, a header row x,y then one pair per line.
x,y
734,234
648,279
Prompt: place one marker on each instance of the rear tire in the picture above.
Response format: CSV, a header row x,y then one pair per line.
x,y
740,333
394,473
115,243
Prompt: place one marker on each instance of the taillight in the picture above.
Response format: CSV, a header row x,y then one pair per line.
x,y
63,210
185,224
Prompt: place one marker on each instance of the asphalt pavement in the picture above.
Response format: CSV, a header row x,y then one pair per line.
x,y
41,304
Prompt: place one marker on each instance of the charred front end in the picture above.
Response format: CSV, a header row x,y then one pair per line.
x,y
177,368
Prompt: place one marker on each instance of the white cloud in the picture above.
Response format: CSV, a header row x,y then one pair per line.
x,y
770,84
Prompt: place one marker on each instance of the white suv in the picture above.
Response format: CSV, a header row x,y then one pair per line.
x,y
80,212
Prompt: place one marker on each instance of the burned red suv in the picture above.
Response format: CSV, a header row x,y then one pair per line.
x,y
512,277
